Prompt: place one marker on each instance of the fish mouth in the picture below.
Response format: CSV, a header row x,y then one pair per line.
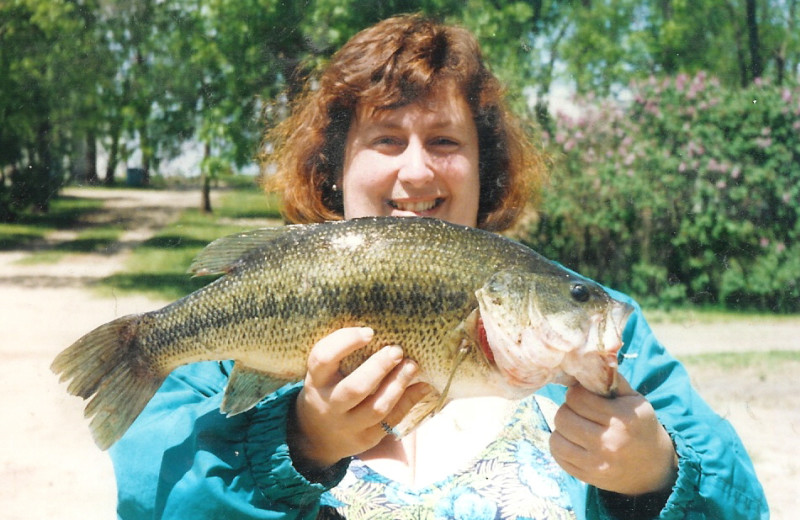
x,y
620,313
483,342
416,206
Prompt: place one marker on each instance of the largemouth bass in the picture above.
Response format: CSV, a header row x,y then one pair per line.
x,y
480,314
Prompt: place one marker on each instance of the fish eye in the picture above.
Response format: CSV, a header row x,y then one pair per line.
x,y
580,293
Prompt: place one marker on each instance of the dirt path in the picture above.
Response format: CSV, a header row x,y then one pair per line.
x,y
50,467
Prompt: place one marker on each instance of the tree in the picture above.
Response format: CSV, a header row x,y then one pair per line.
x,y
45,57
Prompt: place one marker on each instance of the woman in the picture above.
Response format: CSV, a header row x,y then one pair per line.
x,y
408,121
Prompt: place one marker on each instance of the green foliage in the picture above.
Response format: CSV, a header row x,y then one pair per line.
x,y
692,190
148,77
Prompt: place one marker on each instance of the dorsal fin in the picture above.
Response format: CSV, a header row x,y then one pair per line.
x,y
221,255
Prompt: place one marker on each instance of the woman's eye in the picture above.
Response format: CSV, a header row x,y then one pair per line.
x,y
387,139
445,143
387,142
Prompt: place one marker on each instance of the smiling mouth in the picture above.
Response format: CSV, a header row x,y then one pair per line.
x,y
416,206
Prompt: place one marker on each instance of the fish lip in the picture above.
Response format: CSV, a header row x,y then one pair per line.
x,y
620,314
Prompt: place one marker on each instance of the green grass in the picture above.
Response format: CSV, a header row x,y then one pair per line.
x,y
758,361
246,204
64,213
92,240
159,266
690,314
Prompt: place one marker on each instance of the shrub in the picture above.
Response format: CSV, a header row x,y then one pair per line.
x,y
687,191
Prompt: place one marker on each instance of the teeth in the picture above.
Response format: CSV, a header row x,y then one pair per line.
x,y
414,206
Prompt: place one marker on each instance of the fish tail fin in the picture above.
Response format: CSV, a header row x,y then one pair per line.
x,y
107,367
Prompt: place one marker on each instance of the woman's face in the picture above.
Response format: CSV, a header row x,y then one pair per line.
x,y
416,160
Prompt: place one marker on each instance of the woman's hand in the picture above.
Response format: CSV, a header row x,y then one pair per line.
x,y
613,444
339,416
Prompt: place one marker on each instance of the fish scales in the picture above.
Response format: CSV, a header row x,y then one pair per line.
x,y
416,282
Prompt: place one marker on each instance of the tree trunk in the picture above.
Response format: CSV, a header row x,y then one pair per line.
x,y
41,183
741,61
113,153
147,155
91,159
205,205
756,64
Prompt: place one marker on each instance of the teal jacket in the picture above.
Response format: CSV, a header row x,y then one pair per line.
x,y
183,459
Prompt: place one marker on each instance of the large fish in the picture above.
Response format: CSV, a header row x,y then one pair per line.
x,y
481,315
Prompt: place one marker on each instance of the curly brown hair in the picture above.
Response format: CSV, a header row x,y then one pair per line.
x,y
389,65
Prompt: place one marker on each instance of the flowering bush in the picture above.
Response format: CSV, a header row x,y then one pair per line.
x,y
689,191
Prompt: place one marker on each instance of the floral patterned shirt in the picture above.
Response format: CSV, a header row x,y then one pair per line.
x,y
514,477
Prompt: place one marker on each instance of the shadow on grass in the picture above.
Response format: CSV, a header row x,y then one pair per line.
x,y
66,212
172,242
12,240
85,245
30,228
252,214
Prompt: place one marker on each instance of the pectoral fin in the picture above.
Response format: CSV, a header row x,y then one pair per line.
x,y
246,387
433,402
428,406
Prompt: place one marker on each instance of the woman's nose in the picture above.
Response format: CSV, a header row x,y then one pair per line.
x,y
415,167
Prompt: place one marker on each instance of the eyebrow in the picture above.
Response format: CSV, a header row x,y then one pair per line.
x,y
385,123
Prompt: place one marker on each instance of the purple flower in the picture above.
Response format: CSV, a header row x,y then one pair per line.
x,y
716,166
629,159
680,82
763,142
695,149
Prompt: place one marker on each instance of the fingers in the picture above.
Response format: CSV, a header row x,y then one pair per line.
x,y
325,356
624,387
601,409
574,436
613,444
394,397
374,373
338,416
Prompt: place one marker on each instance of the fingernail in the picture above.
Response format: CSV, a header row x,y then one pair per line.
x,y
367,333
409,368
395,351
